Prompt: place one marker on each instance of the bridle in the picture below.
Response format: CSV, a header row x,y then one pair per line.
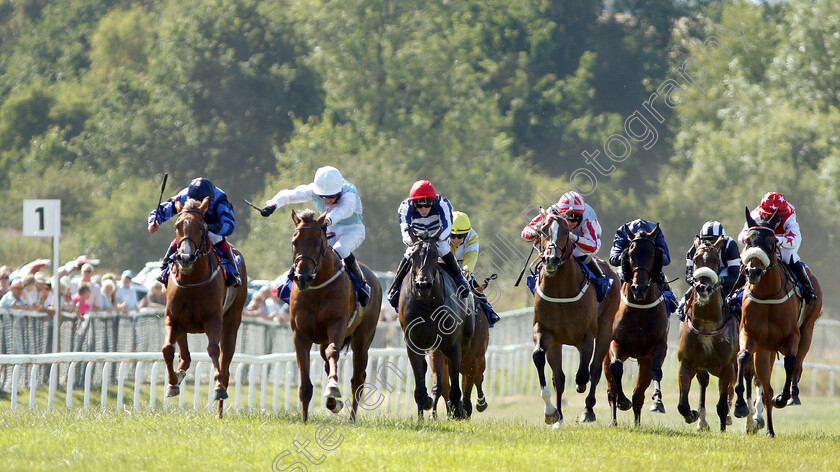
x,y
551,246
201,249
707,247
641,268
772,250
321,255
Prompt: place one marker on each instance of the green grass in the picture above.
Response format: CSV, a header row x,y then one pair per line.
x,y
508,436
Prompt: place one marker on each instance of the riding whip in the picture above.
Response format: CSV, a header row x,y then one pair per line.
x,y
252,205
519,279
160,199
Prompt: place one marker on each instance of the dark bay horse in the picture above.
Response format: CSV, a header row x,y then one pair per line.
x,y
197,301
708,337
566,311
641,326
323,309
434,318
771,317
472,368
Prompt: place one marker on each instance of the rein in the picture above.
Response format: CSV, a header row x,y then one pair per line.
x,y
316,262
757,252
200,252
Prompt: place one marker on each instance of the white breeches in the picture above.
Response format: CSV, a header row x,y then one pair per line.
x,y
787,253
347,238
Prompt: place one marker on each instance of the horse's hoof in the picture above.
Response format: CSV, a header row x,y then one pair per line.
x,y
557,424
428,405
657,407
728,420
458,412
741,409
624,404
481,404
221,394
551,418
336,406
173,390
181,374
332,392
779,401
588,416
770,435
759,423
703,426
691,417
794,400
581,388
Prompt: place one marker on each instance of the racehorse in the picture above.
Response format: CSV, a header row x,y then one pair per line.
x,y
472,368
771,317
641,326
434,317
566,311
197,301
708,337
323,309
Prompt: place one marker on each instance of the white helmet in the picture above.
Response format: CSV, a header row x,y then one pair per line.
x,y
328,181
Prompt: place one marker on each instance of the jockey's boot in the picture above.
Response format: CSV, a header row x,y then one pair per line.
x,y
732,297
232,279
670,298
455,271
164,266
492,316
683,303
394,290
364,294
798,269
592,264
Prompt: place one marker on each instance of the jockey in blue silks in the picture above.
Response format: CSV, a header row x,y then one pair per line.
x,y
621,242
220,224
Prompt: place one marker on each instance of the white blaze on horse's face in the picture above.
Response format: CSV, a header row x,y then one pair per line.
x,y
704,294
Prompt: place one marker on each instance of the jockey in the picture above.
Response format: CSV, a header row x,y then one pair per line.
x,y
730,260
220,224
788,237
621,242
585,232
463,242
425,210
330,192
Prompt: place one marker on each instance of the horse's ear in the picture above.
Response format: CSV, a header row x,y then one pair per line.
x,y
205,205
750,221
628,233
321,219
697,241
543,212
774,219
437,233
295,218
720,242
177,205
655,232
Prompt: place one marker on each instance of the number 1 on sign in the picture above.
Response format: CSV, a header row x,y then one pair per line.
x,y
40,211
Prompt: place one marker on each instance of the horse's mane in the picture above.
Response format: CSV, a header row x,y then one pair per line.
x,y
308,216
192,204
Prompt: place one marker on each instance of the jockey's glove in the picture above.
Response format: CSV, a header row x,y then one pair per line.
x,y
328,221
268,210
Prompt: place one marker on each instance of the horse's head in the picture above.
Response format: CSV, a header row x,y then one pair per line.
x,y
643,260
423,256
554,235
706,267
759,255
191,232
309,243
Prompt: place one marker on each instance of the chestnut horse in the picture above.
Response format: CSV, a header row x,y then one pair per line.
x,y
472,368
323,309
641,326
434,318
708,337
566,311
771,317
197,301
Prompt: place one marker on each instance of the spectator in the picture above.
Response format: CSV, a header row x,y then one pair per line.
x,y
5,281
14,297
257,307
126,294
272,303
45,294
82,300
109,297
95,292
30,292
155,298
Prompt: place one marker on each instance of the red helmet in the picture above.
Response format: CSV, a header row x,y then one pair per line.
x,y
773,201
571,201
422,189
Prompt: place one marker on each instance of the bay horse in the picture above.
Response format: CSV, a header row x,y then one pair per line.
x,y
472,368
566,311
197,301
771,317
641,326
708,337
323,310
434,318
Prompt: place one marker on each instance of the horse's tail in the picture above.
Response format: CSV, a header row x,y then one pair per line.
x,y
345,346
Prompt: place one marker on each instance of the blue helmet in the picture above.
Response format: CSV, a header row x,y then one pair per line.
x,y
200,188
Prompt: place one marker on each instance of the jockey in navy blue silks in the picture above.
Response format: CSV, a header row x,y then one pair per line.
x,y
621,242
425,210
220,223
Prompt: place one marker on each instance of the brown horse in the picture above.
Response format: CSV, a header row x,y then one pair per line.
x,y
708,337
770,319
566,312
198,302
641,326
472,368
323,309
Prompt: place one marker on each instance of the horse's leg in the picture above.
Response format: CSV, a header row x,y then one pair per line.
x,y
687,373
642,383
302,347
467,382
724,384
585,348
744,358
611,400
421,396
616,368
444,378
554,355
538,356
172,333
806,333
438,362
480,400
360,345
213,330
763,371
228,346
656,375
781,401
602,344
454,358
703,380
